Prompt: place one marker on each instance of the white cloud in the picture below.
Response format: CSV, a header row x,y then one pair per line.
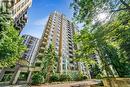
x,y
41,22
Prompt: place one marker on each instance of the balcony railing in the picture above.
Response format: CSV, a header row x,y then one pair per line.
x,y
20,7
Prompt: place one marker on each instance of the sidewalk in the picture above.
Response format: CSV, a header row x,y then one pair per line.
x,y
17,86
64,84
67,84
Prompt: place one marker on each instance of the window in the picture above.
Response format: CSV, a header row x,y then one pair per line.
x,y
57,49
51,35
52,31
57,44
64,66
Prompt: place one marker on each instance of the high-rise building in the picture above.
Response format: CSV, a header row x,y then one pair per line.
x,y
26,64
59,31
17,9
32,47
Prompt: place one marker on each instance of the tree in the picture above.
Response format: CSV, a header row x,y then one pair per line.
x,y
11,44
88,9
5,19
96,72
83,52
49,62
37,78
108,40
117,33
92,44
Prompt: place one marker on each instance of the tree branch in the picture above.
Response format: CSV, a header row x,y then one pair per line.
x,y
124,3
121,9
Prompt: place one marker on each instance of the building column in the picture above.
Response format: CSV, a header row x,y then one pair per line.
x,y
14,81
2,74
79,66
29,77
60,60
15,75
60,67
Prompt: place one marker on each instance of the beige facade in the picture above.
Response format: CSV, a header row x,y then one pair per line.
x,y
17,10
59,31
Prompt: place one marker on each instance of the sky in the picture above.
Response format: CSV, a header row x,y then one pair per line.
x,y
39,13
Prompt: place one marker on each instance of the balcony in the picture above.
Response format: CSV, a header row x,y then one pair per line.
x,y
46,34
71,56
43,43
40,54
18,8
47,30
71,51
42,48
45,39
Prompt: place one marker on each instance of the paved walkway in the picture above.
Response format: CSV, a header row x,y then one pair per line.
x,y
64,84
72,84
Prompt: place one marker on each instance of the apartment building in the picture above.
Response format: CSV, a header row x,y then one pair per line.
x,y
59,31
32,47
17,9
26,64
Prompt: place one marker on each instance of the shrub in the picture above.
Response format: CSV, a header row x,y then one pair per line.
x,y
69,78
78,76
23,76
37,78
99,76
54,78
7,78
73,75
84,77
65,77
